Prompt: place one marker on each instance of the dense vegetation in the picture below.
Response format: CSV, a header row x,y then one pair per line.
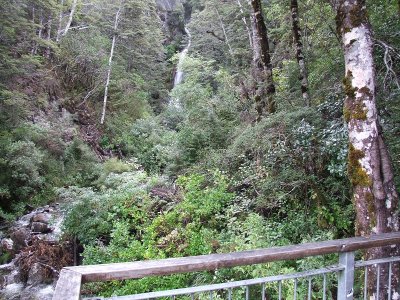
x,y
163,180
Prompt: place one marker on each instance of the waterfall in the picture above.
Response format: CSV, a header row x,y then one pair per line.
x,y
179,73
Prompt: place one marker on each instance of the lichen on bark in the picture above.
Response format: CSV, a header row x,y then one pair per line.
x,y
358,176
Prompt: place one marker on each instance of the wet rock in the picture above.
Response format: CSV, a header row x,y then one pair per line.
x,y
36,275
41,292
41,217
20,237
12,291
41,227
7,245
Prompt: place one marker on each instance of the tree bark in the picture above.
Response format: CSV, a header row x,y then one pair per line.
x,y
70,18
224,32
117,16
60,17
369,166
265,89
48,38
33,50
246,25
299,51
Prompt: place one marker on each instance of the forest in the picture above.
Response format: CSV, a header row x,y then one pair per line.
x,y
170,128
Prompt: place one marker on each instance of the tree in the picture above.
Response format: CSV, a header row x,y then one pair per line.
x,y
265,88
369,166
299,51
117,16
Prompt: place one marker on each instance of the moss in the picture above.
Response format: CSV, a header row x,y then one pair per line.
x,y
348,88
369,199
346,114
358,176
354,109
358,15
359,112
366,91
348,19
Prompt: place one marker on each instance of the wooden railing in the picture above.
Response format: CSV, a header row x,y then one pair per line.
x,y
71,278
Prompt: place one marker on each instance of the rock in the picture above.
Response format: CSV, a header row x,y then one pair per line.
x,y
12,291
20,237
41,217
13,277
40,227
168,5
41,292
36,275
7,245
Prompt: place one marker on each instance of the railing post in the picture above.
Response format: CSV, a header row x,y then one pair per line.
x,y
346,277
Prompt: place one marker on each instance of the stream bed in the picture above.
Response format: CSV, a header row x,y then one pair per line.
x,y
35,253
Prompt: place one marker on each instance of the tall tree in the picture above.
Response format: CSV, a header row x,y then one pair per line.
x,y
245,23
265,88
369,167
294,7
70,18
116,21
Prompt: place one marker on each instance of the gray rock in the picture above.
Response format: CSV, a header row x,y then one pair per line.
x,y
7,245
20,237
36,275
41,217
40,292
41,227
168,5
12,291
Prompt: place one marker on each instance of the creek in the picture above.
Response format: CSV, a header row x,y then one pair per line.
x,y
32,248
179,75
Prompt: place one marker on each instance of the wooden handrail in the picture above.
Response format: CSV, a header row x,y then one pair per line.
x,y
140,269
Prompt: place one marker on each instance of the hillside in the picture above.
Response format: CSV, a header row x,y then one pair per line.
x,y
169,128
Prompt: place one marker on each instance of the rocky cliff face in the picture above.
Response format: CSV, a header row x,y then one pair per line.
x,y
169,5
173,14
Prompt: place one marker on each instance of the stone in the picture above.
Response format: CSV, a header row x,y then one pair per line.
x,y
41,227
20,237
7,245
41,217
40,292
37,274
12,291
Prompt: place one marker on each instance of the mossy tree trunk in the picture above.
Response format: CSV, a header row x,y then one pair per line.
x,y
294,8
369,166
262,69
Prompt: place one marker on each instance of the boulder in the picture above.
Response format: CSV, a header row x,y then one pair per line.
x,y
7,245
41,217
20,237
40,292
37,274
12,291
41,227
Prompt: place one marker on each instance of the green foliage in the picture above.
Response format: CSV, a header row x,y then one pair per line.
x,y
282,180
120,224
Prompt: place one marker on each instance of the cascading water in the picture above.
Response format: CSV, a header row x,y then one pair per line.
x,y
179,72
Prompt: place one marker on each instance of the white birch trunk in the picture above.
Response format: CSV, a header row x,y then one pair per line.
x,y
48,38
369,166
60,17
224,31
245,23
40,33
103,114
70,18
33,50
